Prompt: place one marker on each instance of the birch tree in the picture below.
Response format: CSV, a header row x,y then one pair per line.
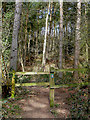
x,y
61,38
44,45
77,39
13,60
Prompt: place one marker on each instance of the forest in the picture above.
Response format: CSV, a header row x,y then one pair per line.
x,y
45,59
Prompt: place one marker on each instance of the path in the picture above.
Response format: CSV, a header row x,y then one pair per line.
x,y
37,104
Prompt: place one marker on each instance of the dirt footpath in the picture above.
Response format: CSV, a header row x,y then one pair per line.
x,y
37,103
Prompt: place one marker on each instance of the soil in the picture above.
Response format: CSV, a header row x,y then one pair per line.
x,y
37,103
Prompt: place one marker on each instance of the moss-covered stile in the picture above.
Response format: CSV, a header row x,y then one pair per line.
x,y
51,89
51,82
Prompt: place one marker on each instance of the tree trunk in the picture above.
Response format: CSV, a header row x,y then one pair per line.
x,y
29,43
13,60
36,43
48,43
44,45
0,51
25,47
20,45
61,38
37,35
66,43
86,30
33,46
50,40
77,39
54,31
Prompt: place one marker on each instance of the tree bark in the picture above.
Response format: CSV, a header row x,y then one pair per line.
x,y
61,38
14,47
77,39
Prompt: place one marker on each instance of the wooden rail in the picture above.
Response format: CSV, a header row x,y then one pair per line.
x,y
33,84
31,73
71,85
70,70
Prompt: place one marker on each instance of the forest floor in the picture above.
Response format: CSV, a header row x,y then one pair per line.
x,y
36,105
33,102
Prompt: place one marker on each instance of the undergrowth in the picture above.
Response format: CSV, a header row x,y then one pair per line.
x,y
79,104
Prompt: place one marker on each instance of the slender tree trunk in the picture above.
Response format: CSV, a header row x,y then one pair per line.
x,y
25,47
57,41
37,34
66,44
77,39
44,45
33,49
20,45
29,43
13,60
50,28
54,31
5,69
48,42
61,38
86,30
0,55
36,44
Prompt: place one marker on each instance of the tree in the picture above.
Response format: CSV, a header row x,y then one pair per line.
x,y
61,37
50,40
44,45
13,60
25,46
0,54
86,31
77,39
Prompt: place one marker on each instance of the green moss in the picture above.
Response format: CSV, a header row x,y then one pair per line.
x,y
33,84
51,103
71,85
71,69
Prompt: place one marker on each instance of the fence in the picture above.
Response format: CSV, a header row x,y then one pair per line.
x,y
51,82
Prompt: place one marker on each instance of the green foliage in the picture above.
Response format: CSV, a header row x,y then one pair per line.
x,y
23,79
10,109
57,105
79,102
42,78
67,78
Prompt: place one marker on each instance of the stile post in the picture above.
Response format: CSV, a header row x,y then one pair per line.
x,y
51,89
13,86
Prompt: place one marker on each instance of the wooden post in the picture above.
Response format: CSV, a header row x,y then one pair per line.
x,y
51,89
13,86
